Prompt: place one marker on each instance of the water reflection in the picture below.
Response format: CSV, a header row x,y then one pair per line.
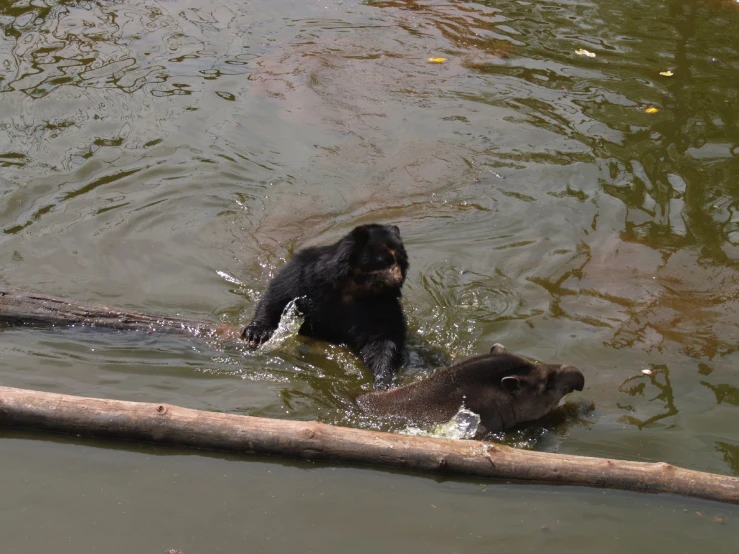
x,y
731,455
724,393
642,385
125,45
81,78
672,172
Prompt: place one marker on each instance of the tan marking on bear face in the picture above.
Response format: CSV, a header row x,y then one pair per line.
x,y
396,275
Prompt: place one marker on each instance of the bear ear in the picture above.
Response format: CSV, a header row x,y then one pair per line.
x,y
511,384
395,229
498,349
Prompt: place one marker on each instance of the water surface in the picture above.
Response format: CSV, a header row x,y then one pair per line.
x,y
169,156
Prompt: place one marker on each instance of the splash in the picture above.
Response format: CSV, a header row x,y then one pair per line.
x,y
288,327
230,278
462,425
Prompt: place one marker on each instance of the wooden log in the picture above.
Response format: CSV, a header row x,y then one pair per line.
x,y
173,425
24,308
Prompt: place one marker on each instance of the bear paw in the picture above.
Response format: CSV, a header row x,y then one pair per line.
x,y
256,334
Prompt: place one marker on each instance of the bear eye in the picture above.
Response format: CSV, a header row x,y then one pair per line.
x,y
385,259
379,260
373,261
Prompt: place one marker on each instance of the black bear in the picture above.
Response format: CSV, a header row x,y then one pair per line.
x,y
349,292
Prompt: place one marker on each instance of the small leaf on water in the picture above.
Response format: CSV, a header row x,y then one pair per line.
x,y
652,110
437,60
582,52
667,73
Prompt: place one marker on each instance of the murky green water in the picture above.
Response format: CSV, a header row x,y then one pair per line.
x,y
168,156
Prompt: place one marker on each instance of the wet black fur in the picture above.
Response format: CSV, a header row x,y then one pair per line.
x,y
347,294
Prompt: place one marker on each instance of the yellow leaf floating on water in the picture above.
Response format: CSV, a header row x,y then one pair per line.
x,y
437,60
667,73
651,110
583,52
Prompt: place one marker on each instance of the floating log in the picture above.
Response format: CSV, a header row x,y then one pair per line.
x,y
24,308
173,425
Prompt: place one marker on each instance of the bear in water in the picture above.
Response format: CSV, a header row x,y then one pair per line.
x,y
349,292
503,389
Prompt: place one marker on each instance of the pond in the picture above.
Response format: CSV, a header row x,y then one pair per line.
x,y
566,182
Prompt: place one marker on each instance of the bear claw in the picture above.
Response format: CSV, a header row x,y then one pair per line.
x,y
256,336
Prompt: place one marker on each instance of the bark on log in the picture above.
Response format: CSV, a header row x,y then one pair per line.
x,y
23,308
173,425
